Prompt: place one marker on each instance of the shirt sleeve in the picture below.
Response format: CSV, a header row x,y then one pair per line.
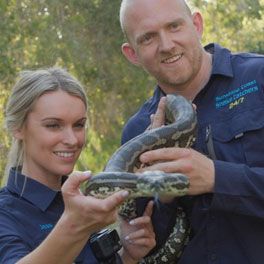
x,y
238,189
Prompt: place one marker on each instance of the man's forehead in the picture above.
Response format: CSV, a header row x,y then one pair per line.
x,y
132,8
143,21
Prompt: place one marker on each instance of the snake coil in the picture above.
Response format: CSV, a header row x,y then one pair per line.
x,y
118,174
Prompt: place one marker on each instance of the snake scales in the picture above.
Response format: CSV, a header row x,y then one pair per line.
x,y
118,173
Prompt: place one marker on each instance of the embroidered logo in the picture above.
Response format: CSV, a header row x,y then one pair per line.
x,y
46,226
236,96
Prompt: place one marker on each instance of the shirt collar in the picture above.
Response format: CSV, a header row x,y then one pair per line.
x,y
35,192
158,93
221,61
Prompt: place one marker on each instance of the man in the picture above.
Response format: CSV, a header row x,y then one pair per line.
x,y
225,202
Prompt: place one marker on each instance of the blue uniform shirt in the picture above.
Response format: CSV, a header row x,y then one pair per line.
x,y
228,225
25,221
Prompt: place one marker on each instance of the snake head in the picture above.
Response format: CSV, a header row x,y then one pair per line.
x,y
149,182
173,184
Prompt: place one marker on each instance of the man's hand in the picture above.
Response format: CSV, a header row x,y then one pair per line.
x,y
196,166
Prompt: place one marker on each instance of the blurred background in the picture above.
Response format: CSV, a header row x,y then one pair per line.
x,y
84,37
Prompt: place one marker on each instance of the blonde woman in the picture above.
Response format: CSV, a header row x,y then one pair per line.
x,y
44,218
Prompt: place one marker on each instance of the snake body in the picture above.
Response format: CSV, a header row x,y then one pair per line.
x,y
119,173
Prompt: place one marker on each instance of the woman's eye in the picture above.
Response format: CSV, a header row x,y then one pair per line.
x,y
79,125
52,126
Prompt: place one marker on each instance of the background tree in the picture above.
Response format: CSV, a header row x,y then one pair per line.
x,y
237,25
84,37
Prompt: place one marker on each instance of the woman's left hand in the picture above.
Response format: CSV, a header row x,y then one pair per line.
x,y
137,236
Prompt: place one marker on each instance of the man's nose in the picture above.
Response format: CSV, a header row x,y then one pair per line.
x,y
166,42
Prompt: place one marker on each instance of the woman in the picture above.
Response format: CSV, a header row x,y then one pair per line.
x,y
44,218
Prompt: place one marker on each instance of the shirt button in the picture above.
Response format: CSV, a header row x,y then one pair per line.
x,y
213,257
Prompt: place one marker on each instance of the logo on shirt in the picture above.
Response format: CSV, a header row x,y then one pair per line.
x,y
237,96
46,226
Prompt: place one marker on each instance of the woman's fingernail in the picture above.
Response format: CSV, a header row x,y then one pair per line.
x,y
127,238
125,193
132,222
143,159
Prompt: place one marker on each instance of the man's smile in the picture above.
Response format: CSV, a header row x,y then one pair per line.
x,y
172,59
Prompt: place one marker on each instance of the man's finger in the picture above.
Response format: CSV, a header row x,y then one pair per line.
x,y
159,118
164,154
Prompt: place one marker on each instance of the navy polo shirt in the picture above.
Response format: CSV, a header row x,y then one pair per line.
x,y
26,220
228,225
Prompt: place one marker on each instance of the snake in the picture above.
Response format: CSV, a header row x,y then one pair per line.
x,y
120,174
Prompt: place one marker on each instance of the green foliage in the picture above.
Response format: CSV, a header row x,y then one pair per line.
x,y
85,38
237,25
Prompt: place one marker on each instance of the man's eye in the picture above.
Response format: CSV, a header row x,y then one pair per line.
x,y
146,39
174,26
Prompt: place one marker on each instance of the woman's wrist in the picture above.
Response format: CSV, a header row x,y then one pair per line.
x,y
70,229
126,257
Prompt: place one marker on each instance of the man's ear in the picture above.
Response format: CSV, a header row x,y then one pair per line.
x,y
198,23
130,54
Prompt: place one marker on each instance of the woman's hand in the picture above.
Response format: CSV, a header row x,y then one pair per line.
x,y
137,236
87,214
82,216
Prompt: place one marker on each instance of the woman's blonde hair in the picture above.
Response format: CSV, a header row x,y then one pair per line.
x,y
30,86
